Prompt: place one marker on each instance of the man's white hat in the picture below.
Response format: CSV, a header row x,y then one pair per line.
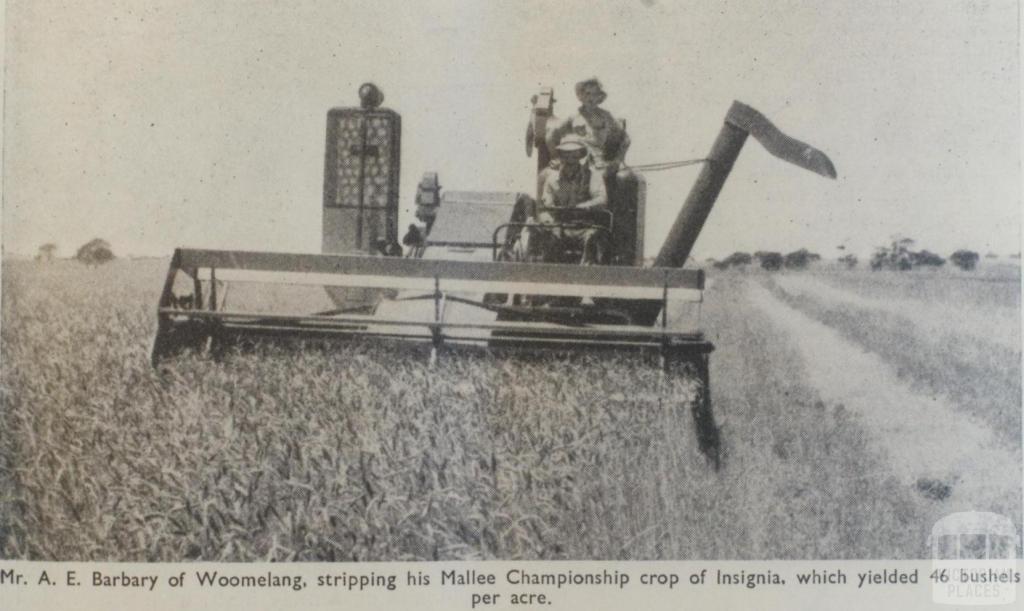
x,y
571,144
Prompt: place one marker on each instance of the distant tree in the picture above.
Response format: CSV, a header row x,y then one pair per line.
x,y
991,255
736,259
771,261
878,259
95,252
1015,255
926,258
896,256
739,258
799,259
46,252
899,256
850,261
966,260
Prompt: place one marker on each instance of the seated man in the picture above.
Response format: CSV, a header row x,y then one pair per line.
x,y
573,199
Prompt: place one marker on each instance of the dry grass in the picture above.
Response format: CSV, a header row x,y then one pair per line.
x,y
992,285
357,453
366,453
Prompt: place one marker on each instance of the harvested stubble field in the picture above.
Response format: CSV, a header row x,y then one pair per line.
x,y
364,452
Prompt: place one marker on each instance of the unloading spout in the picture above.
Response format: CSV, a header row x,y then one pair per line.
x,y
741,121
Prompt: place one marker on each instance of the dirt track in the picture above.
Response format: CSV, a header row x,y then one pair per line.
x,y
923,436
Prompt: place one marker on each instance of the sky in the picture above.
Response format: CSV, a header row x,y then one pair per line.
x,y
158,124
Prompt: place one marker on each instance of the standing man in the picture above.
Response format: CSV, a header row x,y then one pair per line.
x,y
604,136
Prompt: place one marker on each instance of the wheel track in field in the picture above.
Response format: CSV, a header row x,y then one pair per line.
x,y
980,377
923,437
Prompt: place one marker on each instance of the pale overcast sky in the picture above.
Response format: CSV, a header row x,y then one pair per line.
x,y
157,124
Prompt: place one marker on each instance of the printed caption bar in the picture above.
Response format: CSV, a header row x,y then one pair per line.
x,y
507,585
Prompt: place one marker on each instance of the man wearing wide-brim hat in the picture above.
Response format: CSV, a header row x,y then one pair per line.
x,y
573,202
604,136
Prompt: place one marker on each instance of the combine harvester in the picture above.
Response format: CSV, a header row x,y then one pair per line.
x,y
457,283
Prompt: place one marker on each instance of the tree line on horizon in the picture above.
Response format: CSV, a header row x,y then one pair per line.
x,y
94,252
898,255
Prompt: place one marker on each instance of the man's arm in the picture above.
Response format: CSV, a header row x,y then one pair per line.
x,y
549,179
617,143
598,196
620,154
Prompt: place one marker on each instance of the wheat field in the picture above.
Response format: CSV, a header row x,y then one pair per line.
x,y
363,451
